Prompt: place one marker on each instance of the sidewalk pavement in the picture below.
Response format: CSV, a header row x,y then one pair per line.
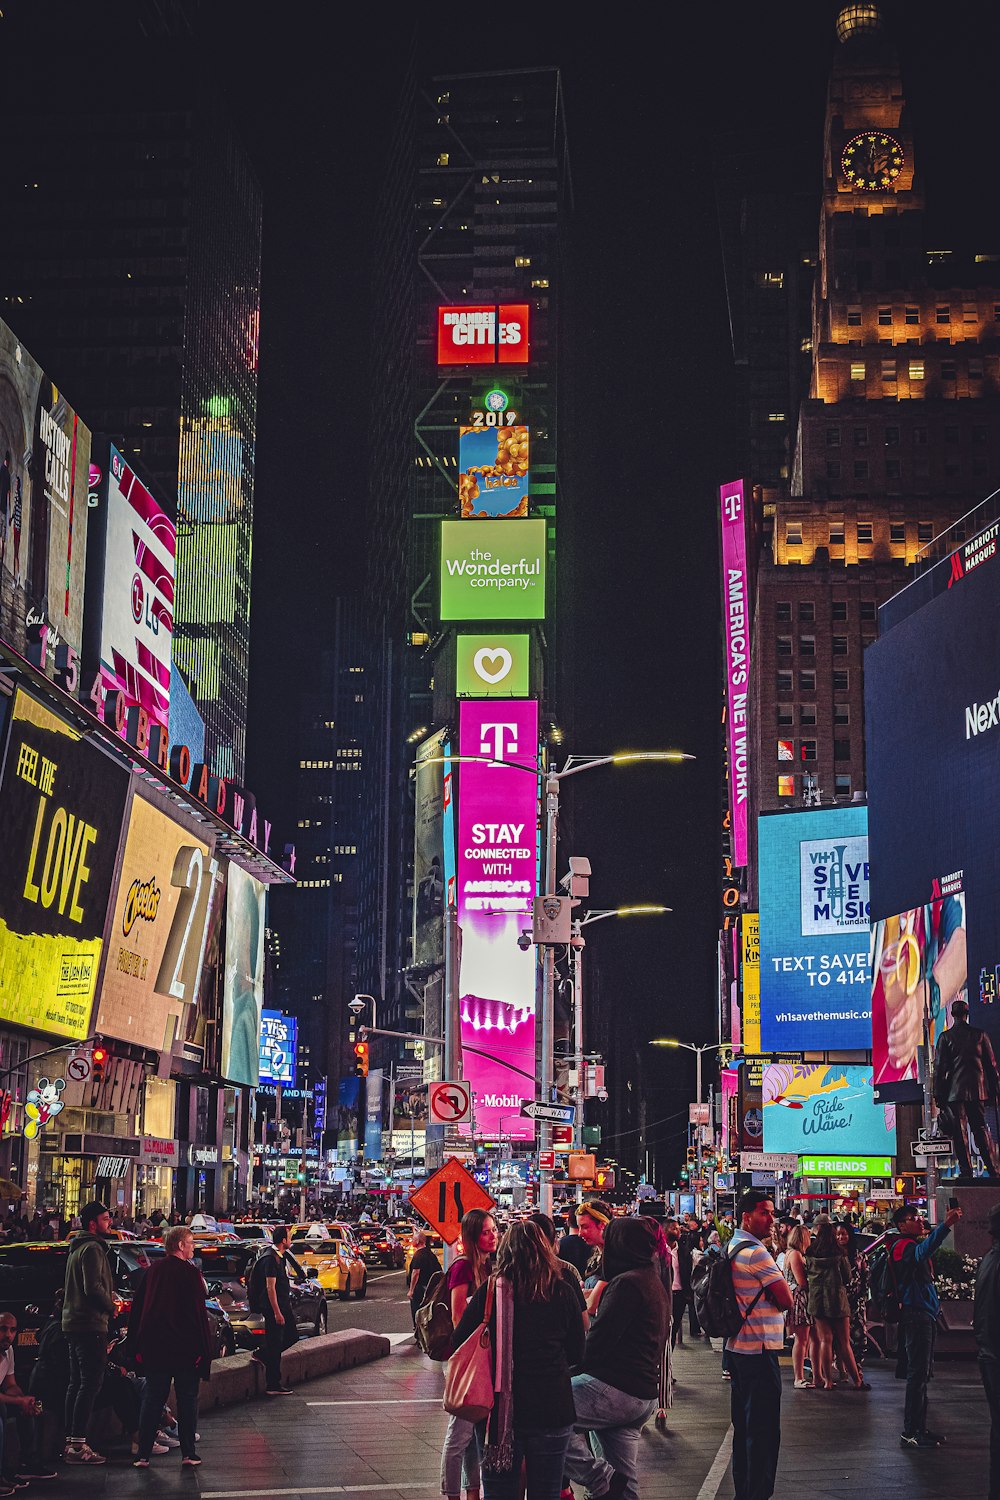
x,y
376,1432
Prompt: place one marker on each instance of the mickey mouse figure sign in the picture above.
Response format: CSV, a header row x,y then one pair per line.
x,y
42,1105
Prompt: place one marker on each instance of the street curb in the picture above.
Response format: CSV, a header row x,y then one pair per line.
x,y
239,1378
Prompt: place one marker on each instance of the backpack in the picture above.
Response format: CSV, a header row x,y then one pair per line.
x,y
432,1326
257,1299
715,1300
885,1282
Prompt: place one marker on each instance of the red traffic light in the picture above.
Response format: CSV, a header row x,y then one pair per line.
x,y
98,1060
99,1055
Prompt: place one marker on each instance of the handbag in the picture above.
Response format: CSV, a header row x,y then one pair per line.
x,y
468,1385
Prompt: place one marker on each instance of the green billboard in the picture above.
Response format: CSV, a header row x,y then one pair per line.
x,y
492,666
845,1166
493,570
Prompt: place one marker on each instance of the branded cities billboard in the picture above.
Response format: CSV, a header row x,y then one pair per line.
x,y
129,616
243,992
750,969
492,666
932,735
278,1048
159,929
428,851
493,571
62,802
497,882
919,963
814,974
483,335
44,474
816,1107
493,477
736,604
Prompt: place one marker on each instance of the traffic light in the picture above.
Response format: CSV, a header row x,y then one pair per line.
x,y
361,1059
692,1154
98,1062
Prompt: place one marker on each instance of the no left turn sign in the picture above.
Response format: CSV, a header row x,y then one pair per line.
x,y
450,1103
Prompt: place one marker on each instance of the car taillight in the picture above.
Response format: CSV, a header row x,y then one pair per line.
x,y
123,1305
383,1244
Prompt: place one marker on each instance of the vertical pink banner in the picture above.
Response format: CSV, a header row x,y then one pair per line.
x,y
736,606
497,860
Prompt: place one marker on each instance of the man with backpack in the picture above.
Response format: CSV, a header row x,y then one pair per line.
x,y
269,1293
912,1278
763,1297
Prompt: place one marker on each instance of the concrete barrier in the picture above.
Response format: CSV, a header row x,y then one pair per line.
x,y
240,1378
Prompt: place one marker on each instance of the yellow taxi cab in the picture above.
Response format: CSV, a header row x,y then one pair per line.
x,y
214,1237
432,1241
112,1234
330,1253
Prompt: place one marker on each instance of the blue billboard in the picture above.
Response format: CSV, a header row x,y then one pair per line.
x,y
814,930
278,1048
816,1109
494,477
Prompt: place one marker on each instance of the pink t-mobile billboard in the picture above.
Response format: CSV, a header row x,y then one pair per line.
x,y
497,864
735,604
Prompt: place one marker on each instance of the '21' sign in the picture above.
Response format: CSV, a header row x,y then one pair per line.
x,y
196,874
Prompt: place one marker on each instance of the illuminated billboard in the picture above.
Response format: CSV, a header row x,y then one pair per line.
x,y
493,472
62,802
494,570
735,604
428,851
44,477
159,930
243,993
130,588
813,1107
814,938
932,729
483,335
750,970
492,666
497,865
278,1048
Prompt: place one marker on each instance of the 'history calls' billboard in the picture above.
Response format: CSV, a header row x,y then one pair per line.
x,y
483,335
497,882
62,801
814,937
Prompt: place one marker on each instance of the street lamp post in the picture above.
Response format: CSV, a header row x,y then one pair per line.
x,y
697,1048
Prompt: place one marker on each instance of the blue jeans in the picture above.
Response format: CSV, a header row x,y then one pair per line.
x,y
154,1399
755,1403
617,1418
917,1332
460,1469
543,1452
88,1356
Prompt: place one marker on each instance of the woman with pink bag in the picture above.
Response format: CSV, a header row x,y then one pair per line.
x,y
534,1317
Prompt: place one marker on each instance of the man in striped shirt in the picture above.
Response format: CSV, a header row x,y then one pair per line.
x,y
764,1297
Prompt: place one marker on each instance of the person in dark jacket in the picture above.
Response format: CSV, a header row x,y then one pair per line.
x,y
986,1321
616,1392
573,1248
171,1341
913,1276
965,1078
532,1418
88,1305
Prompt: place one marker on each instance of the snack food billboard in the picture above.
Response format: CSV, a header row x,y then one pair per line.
x,y
814,937
494,570
830,1108
493,472
492,666
243,989
129,617
497,881
932,735
44,477
278,1048
736,606
62,802
159,929
483,334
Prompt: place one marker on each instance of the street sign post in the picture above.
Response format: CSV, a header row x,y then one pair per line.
x,y
445,1198
449,1103
769,1161
558,1114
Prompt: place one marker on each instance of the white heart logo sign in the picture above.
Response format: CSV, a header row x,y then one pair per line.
x,y
492,663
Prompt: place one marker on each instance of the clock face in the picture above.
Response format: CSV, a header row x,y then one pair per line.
x,y
872,161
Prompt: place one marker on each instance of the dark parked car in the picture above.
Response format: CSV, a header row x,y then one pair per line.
x,y
380,1245
226,1269
31,1275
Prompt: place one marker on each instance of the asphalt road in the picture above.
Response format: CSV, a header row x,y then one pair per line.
x,y
384,1310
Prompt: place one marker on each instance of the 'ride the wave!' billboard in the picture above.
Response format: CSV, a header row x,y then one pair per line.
x,y
497,880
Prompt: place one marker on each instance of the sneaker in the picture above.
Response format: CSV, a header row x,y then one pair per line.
x,y
279,1390
37,1471
802,1385
168,1439
7,1489
81,1453
937,1437
191,1462
15,1483
921,1440
140,1463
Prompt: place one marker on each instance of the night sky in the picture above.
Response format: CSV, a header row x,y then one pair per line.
x,y
655,420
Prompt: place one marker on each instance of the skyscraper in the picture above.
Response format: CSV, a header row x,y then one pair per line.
x,y
135,271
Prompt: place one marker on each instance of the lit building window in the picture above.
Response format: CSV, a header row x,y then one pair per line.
x,y
916,369
522,261
776,416
857,370
771,278
442,160
793,534
786,786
